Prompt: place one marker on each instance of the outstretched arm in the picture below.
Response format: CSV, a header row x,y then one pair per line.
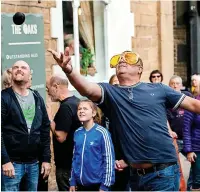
x,y
84,87
190,104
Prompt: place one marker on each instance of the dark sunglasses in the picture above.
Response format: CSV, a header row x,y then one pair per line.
x,y
154,76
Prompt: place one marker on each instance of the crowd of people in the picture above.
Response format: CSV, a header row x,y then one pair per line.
x,y
122,138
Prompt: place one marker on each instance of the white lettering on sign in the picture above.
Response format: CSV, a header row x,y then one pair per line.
x,y
22,56
16,29
34,55
30,29
27,29
40,86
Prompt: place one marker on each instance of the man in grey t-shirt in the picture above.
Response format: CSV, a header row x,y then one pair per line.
x,y
27,104
25,132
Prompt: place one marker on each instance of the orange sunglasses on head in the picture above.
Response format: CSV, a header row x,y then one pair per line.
x,y
130,58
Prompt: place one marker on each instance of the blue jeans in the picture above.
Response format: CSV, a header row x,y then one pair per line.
x,y
167,179
31,172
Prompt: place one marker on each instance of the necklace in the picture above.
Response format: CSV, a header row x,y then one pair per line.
x,y
130,93
130,89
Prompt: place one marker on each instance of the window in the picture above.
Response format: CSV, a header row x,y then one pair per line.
x,y
91,36
181,12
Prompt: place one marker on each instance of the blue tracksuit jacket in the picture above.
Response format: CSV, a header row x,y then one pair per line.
x,y
93,159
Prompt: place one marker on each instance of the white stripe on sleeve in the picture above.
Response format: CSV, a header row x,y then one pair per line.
x,y
109,160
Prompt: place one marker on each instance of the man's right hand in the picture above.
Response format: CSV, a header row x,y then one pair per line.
x,y
120,165
8,169
63,60
89,89
72,189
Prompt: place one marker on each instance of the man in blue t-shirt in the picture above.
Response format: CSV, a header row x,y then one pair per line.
x,y
138,113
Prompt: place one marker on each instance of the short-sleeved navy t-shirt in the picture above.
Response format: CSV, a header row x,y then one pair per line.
x,y
138,113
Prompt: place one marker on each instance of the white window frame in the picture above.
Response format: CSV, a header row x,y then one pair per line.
x,y
56,15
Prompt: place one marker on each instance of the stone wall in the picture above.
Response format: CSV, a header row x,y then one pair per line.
x,y
44,9
146,39
153,38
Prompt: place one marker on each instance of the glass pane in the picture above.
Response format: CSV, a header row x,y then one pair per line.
x,y
91,34
181,11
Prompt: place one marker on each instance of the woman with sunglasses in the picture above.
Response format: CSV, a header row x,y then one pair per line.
x,y
137,111
156,76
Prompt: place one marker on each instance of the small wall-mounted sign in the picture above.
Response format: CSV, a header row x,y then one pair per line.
x,y
25,42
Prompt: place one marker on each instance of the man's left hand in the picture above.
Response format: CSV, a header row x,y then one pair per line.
x,y
45,169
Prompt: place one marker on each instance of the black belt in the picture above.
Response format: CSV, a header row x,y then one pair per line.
x,y
154,168
25,162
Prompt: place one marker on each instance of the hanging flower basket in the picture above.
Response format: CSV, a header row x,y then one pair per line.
x,y
83,72
87,61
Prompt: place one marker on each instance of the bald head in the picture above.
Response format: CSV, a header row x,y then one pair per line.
x,y
22,63
59,80
21,72
57,88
